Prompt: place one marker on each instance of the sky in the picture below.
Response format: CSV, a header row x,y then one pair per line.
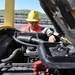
x,y
25,4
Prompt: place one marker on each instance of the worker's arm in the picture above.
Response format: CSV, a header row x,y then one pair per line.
x,y
50,34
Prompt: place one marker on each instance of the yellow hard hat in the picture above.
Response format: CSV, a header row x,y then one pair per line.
x,y
33,16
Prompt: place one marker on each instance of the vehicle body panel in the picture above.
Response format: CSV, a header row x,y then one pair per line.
x,y
61,13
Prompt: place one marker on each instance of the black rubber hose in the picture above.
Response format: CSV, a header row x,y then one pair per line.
x,y
12,56
23,40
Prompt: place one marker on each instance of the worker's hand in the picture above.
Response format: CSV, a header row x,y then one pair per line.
x,y
52,38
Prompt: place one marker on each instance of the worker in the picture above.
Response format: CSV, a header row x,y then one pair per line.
x,y
33,26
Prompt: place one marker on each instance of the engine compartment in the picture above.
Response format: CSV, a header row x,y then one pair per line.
x,y
23,49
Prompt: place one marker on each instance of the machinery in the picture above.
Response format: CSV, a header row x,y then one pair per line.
x,y
58,56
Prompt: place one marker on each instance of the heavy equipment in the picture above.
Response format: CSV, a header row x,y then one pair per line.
x,y
59,56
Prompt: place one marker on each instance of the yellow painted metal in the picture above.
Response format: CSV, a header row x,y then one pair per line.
x,y
66,39
9,13
73,13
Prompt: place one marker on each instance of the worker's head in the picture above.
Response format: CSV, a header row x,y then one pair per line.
x,y
33,16
33,19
